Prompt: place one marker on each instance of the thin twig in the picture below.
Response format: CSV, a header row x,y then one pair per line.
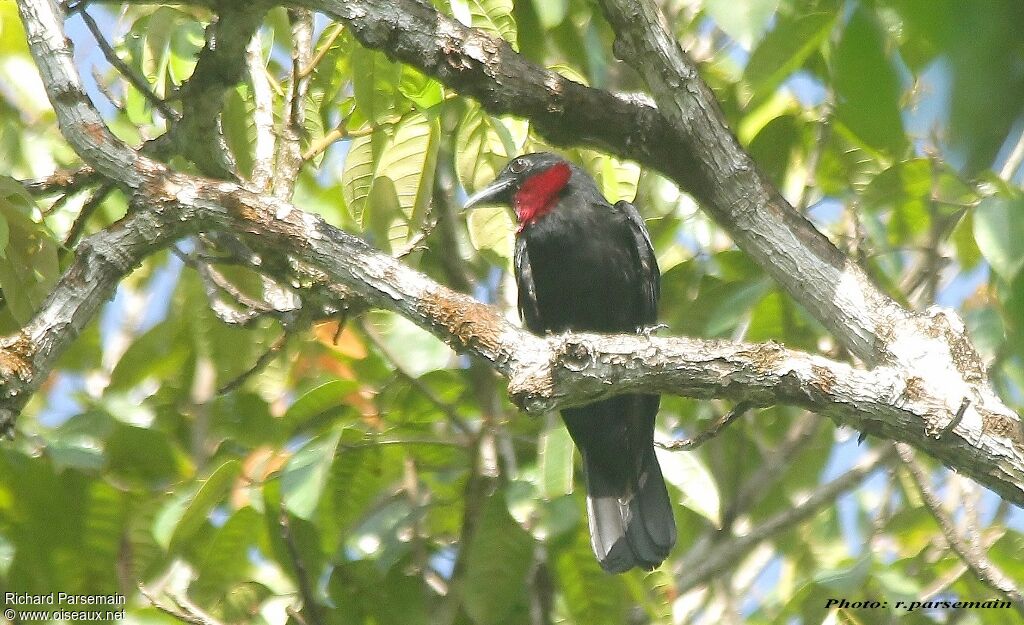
x,y
972,555
144,87
289,161
88,209
183,609
265,359
416,243
336,134
713,431
62,181
1013,161
322,51
310,608
697,568
957,418
446,409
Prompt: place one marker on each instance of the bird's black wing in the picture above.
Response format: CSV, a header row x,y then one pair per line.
x,y
528,310
650,274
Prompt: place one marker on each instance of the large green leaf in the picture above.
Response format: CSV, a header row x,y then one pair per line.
x,y
158,353
388,179
210,494
591,595
496,566
999,231
304,477
415,349
555,456
492,231
143,456
494,16
226,559
323,400
785,49
686,471
359,477
102,525
484,144
375,81
867,86
28,253
744,25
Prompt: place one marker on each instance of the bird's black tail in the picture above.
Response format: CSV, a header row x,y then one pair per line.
x,y
631,522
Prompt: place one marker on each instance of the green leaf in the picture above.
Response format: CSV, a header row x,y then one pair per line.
x,y
196,511
867,86
305,475
375,81
102,524
324,399
238,126
167,518
555,455
483,145
551,12
424,91
158,353
417,351
999,231
745,25
686,471
226,558
493,16
5,236
388,179
617,179
492,230
28,253
357,176
591,595
785,49
359,477
406,166
143,456
497,564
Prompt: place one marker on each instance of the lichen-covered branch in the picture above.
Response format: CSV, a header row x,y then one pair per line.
x,y
686,138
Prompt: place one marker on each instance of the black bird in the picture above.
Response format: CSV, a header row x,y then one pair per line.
x,y
583,264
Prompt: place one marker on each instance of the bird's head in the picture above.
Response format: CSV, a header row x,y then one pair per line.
x,y
530,184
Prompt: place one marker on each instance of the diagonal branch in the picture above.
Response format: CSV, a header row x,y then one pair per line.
x,y
687,139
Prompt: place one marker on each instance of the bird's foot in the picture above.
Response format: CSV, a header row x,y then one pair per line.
x,y
650,331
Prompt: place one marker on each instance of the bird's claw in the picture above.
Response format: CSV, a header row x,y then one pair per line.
x,y
649,331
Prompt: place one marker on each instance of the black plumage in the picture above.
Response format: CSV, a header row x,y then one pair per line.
x,y
582,263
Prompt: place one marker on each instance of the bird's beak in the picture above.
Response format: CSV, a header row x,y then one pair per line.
x,y
494,193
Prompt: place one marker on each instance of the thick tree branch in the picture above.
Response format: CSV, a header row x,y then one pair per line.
x,y
687,139
892,400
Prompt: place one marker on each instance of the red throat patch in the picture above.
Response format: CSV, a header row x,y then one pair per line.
x,y
539,193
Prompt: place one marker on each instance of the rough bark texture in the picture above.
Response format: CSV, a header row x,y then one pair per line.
x,y
927,386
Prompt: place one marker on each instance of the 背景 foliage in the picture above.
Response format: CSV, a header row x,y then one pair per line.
x,y
369,475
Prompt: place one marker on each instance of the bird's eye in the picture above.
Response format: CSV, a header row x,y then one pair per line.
x,y
517,166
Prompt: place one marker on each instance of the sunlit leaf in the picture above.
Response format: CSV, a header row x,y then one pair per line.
x,y
685,471
496,566
555,455
999,231
28,253
304,477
